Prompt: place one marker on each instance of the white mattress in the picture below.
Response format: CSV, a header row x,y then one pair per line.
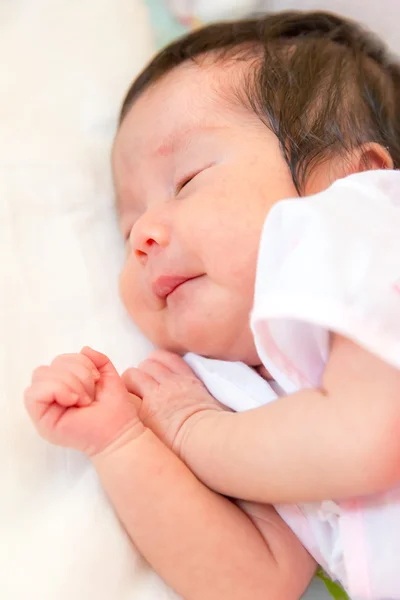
x,y
64,65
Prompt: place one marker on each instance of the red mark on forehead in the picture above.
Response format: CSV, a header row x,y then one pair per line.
x,y
182,137
172,141
165,149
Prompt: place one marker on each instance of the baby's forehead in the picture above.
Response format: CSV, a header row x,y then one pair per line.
x,y
206,77
189,98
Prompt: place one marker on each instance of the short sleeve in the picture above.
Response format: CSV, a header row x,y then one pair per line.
x,y
329,263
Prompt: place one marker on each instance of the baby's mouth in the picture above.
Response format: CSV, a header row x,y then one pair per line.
x,y
166,284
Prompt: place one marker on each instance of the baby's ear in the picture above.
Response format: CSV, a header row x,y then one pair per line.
x,y
369,157
366,157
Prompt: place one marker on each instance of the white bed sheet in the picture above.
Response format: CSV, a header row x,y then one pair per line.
x,y
65,65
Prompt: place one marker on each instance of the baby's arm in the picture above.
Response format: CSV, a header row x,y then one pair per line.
x,y
201,543
339,441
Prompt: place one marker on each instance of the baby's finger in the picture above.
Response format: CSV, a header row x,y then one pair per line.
x,y
138,382
50,418
78,359
40,395
83,375
174,362
155,369
63,371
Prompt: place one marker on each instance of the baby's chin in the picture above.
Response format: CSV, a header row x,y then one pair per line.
x,y
211,345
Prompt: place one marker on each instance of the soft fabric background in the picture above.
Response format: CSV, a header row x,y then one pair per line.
x,y
65,65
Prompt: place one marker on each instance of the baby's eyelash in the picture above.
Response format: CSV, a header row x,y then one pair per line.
x,y
184,181
188,178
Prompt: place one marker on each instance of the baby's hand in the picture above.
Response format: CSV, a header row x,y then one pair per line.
x,y
81,402
172,396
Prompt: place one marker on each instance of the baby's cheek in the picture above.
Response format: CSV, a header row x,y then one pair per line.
x,y
133,299
124,288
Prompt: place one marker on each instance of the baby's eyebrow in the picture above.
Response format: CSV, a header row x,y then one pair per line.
x,y
179,137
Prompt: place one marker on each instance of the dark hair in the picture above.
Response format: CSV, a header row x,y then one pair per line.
x,y
320,82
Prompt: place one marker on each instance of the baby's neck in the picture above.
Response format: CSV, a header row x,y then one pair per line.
x,y
261,370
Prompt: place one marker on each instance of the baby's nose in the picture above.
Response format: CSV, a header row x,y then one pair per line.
x,y
148,236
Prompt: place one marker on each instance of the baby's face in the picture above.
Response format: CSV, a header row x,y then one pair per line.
x,y
195,177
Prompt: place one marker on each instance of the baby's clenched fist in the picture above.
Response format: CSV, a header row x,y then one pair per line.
x,y
80,401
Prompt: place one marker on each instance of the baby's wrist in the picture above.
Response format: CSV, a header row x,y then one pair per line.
x,y
198,434
206,448
128,437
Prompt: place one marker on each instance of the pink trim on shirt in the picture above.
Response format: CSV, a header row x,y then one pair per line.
x,y
281,360
351,525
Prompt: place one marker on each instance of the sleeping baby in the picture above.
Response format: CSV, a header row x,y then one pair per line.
x,y
257,192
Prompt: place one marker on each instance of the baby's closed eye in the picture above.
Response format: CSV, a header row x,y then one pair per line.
x,y
186,179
